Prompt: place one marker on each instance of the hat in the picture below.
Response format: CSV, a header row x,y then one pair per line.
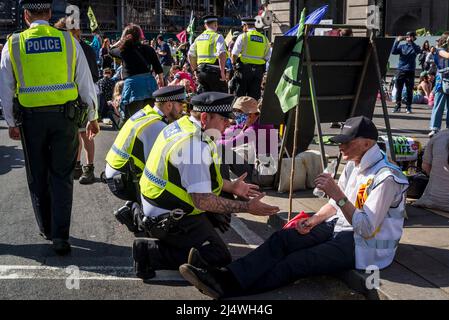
x,y
214,102
357,127
248,20
246,105
35,4
411,34
210,18
170,93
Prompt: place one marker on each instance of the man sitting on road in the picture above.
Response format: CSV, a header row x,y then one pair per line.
x,y
126,158
360,226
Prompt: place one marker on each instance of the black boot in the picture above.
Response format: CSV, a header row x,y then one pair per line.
x,y
124,215
141,256
88,176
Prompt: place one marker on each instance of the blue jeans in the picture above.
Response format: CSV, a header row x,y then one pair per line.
x,y
137,88
287,256
441,103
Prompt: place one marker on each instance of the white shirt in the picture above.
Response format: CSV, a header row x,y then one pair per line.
x,y
376,205
193,166
238,46
83,80
220,47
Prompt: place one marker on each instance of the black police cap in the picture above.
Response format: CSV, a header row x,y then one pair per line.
x,y
170,93
210,18
249,20
214,102
35,4
357,127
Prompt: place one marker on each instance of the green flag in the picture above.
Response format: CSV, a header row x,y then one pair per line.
x,y
289,87
92,19
191,28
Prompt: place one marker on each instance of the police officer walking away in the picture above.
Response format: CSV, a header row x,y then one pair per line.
x,y
126,159
181,181
250,53
207,57
47,113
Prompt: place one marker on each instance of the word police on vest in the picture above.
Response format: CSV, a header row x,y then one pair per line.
x,y
43,45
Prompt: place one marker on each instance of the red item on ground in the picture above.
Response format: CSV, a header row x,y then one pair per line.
x,y
298,217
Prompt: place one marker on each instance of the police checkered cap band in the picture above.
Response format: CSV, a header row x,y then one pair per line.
x,y
213,109
181,96
37,6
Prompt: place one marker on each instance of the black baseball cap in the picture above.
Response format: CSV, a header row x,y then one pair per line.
x,y
411,34
357,127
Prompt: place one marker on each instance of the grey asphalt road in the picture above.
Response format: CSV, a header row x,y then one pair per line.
x,y
102,248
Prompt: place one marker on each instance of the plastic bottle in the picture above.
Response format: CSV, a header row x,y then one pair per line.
x,y
329,169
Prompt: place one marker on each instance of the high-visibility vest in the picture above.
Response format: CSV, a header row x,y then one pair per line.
x,y
254,48
43,59
206,47
160,183
126,146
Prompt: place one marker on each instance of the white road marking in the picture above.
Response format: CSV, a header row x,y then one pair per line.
x,y
86,273
250,237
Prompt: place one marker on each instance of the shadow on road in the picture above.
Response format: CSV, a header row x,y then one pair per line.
x,y
11,157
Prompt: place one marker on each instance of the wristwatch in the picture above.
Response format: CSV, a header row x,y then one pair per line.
x,y
341,203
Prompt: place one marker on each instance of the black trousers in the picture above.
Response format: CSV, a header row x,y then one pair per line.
x,y
171,249
288,256
406,78
51,142
124,187
249,80
210,81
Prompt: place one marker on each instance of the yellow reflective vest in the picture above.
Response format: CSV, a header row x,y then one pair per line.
x,y
160,183
255,47
206,47
43,59
125,146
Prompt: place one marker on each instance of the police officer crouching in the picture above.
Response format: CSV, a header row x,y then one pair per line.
x,y
47,113
126,159
181,182
207,57
250,53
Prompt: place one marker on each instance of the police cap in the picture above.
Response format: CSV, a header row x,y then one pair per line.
x,y
210,18
35,5
170,93
248,20
214,102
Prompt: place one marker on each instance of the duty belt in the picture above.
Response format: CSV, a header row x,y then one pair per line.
x,y
163,221
52,109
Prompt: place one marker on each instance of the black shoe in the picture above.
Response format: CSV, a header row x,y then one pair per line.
x,y
124,215
142,265
203,280
61,247
88,176
78,171
137,214
195,259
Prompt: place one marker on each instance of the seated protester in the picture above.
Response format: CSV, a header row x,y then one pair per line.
x,y
436,165
246,130
423,90
181,78
126,159
106,88
360,226
113,111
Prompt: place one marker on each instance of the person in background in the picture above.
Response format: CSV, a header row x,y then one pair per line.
x,y
430,65
182,78
138,61
425,49
165,56
406,68
105,56
113,111
106,88
96,45
84,174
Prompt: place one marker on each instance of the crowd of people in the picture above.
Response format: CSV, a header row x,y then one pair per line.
x,y
180,109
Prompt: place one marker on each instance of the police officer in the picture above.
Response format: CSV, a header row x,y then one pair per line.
x,y
250,53
182,181
126,159
48,127
207,57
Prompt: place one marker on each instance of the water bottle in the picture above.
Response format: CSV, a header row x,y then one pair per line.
x,y
329,169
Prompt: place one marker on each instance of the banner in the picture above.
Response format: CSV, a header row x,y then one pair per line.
x,y
182,36
92,19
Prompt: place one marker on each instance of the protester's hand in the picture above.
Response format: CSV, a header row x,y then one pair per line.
x,y
92,129
400,38
14,133
245,190
258,208
326,182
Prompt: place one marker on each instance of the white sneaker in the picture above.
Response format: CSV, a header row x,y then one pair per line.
x,y
107,121
432,133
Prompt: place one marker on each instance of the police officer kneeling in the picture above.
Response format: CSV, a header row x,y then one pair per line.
x,y
181,182
250,53
48,113
126,159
